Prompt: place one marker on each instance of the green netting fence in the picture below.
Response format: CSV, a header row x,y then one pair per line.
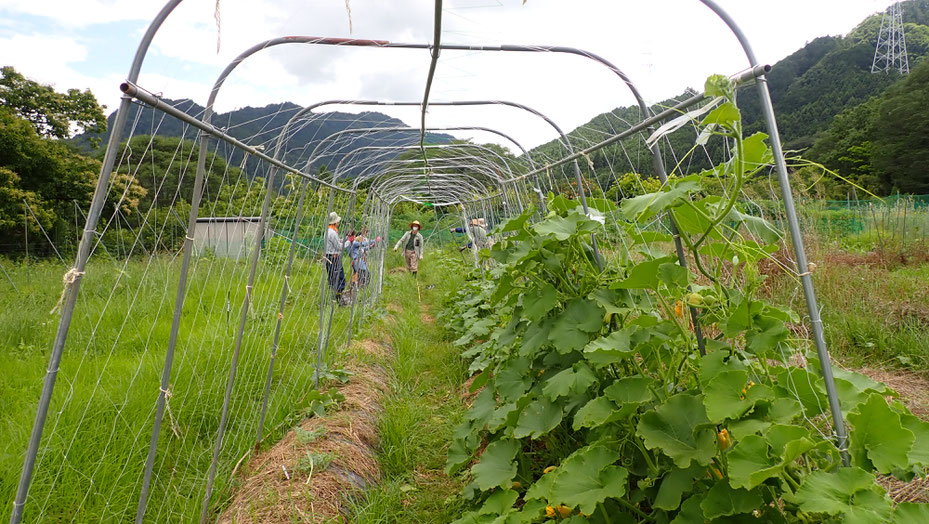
x,y
861,223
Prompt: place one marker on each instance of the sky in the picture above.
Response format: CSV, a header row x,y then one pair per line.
x,y
664,46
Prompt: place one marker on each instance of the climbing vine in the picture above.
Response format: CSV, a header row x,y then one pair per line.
x,y
593,404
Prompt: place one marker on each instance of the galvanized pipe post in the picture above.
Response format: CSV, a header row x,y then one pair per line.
x,y
796,236
73,276
285,288
246,302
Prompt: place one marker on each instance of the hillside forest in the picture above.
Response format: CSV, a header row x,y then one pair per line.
x,y
869,131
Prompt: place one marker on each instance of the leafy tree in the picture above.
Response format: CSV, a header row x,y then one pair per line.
x,y
12,206
53,114
166,167
46,170
901,133
846,148
632,184
51,177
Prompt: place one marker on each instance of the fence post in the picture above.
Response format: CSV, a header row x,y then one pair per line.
x,y
280,312
246,302
26,233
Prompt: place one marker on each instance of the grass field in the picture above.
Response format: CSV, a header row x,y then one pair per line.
x,y
874,313
875,310
99,425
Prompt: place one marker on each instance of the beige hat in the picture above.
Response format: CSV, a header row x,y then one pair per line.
x,y
334,218
415,223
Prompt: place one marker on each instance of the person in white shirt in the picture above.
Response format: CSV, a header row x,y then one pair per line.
x,y
333,258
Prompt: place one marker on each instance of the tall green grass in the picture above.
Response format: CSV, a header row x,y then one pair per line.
x,y
873,315
97,434
423,405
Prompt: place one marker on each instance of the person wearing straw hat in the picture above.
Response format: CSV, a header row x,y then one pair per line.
x,y
412,242
333,251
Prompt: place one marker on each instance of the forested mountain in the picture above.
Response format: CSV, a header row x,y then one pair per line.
x,y
261,126
829,76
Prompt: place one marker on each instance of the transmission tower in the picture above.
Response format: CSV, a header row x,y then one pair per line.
x,y
890,53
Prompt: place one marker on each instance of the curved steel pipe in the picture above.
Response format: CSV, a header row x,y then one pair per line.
x,y
74,276
803,267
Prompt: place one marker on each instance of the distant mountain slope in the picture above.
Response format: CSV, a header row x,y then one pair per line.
x,y
809,88
261,125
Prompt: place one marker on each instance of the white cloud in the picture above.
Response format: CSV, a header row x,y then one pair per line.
x,y
73,14
45,54
51,59
663,45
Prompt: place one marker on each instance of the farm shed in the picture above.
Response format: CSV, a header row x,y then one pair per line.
x,y
230,237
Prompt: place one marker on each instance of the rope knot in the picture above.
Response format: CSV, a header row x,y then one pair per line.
x,y
810,267
590,163
71,276
68,280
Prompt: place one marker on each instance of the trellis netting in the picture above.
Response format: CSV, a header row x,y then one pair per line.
x,y
172,359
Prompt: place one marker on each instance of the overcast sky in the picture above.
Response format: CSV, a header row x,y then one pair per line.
x,y
664,46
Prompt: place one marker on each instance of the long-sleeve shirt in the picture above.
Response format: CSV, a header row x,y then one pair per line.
x,y
417,243
478,235
333,242
358,251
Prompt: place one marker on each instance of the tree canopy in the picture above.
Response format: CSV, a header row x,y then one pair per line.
x,y
52,114
900,153
882,144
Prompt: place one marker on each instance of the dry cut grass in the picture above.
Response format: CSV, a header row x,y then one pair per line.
x,y
914,392
276,485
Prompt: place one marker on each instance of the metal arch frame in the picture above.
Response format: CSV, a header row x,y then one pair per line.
x,y
391,198
73,281
482,164
796,236
340,168
389,189
564,138
368,164
408,129
473,197
315,155
336,175
514,180
656,153
373,190
396,168
309,109
435,50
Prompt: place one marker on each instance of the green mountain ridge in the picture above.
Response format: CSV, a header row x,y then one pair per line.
x,y
809,88
261,126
